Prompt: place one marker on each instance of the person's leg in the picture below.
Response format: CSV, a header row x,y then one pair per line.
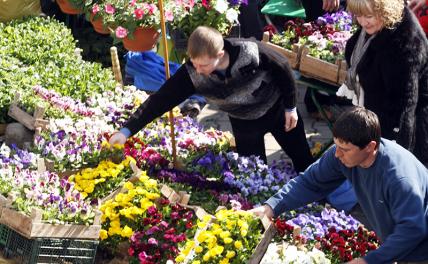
x,y
294,142
249,137
250,20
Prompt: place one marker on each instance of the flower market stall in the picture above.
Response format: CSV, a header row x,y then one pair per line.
x,y
71,196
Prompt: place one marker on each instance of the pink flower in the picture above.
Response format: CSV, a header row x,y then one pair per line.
x,y
132,3
139,13
151,8
152,241
109,9
95,9
169,16
121,32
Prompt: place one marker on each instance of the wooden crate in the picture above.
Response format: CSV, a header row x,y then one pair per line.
x,y
318,69
260,250
293,56
33,226
343,69
32,122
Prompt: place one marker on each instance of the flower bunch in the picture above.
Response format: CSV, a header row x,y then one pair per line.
x,y
127,212
290,254
254,178
166,227
64,103
326,37
13,156
146,157
56,197
71,150
345,245
316,224
218,14
231,238
100,181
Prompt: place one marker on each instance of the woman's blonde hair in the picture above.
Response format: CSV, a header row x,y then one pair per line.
x,y
389,11
204,41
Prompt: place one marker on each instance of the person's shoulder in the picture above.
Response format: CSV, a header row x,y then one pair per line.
x,y
394,155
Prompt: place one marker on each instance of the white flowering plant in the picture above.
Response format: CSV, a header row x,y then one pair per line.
x,y
218,14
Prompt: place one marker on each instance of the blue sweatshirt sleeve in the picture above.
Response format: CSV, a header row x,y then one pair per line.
x,y
407,210
315,183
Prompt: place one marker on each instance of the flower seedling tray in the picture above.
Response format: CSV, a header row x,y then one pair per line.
x,y
293,56
33,226
318,69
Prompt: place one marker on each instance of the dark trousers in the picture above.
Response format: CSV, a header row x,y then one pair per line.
x,y
249,136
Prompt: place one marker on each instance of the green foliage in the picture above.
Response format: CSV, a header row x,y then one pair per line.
x,y
41,51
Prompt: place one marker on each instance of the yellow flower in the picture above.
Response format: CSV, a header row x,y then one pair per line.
x,y
227,240
230,254
238,244
225,234
103,234
218,250
127,232
244,232
224,261
152,196
199,249
129,185
105,144
180,258
206,257
196,262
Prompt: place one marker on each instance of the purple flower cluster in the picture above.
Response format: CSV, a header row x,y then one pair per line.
x,y
254,178
316,224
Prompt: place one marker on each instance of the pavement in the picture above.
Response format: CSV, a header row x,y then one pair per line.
x,y
316,130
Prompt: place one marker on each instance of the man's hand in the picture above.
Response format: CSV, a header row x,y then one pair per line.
x,y
262,210
117,138
416,5
330,5
290,120
357,261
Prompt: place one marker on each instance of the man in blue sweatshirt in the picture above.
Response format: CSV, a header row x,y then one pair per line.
x,y
391,186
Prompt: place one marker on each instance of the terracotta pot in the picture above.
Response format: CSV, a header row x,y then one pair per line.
x,y
68,8
143,39
99,26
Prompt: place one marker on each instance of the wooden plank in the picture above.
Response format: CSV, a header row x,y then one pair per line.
x,y
318,69
343,69
260,250
293,56
32,227
21,116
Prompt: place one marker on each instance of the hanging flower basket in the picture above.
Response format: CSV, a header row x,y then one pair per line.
x,y
67,8
143,39
98,25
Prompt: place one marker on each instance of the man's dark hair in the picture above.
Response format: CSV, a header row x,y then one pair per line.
x,y
357,126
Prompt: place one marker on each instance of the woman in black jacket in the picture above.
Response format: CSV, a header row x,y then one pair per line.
x,y
388,71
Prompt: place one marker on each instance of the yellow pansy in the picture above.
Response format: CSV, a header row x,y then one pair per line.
x,y
206,256
224,261
230,254
238,244
196,262
103,234
180,258
227,240
199,249
128,185
127,232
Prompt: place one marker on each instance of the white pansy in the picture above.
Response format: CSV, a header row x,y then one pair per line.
x,y
232,15
221,6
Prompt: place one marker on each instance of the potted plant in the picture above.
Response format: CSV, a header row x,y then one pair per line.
x,y
72,7
136,23
219,14
95,12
